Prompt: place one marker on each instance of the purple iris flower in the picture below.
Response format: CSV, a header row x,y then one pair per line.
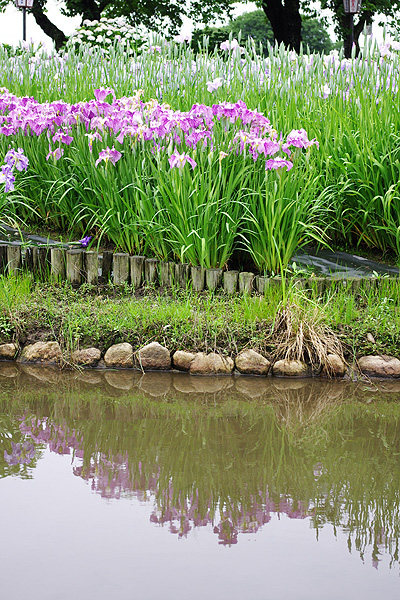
x,y
278,163
56,154
84,242
109,154
62,136
17,159
102,93
178,160
7,177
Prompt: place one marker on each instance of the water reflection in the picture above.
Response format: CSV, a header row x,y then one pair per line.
x,y
206,457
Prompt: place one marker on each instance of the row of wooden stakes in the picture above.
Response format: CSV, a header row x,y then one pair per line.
x,y
78,266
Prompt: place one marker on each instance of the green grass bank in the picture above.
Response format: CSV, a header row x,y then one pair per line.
x,y
32,311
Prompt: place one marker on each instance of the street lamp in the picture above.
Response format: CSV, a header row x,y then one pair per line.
x,y
351,8
24,4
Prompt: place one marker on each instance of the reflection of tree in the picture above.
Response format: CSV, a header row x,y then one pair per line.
x,y
232,470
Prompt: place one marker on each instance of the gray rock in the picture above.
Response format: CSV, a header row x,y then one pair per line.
x,y
334,367
379,366
88,357
182,360
290,368
119,356
8,351
213,363
44,352
251,362
154,357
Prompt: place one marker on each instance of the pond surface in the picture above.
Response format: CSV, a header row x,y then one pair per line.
x,y
122,485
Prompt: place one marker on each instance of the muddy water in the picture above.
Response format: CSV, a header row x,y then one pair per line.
x,y
122,485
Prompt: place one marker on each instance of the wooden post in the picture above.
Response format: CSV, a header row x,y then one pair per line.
x,y
231,281
317,285
74,267
166,273
42,262
29,254
369,283
137,268
246,282
275,282
150,270
262,283
198,278
14,259
213,278
58,264
3,258
107,265
300,283
91,267
182,271
355,283
121,268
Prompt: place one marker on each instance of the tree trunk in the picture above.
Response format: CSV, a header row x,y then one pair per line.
x,y
47,26
285,19
91,11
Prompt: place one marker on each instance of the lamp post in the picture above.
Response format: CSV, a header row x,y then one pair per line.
x,y
24,4
351,8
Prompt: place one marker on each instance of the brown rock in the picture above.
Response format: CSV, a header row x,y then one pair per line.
x,y
156,384
88,357
370,338
380,366
154,357
119,356
334,367
182,360
211,385
44,352
251,386
183,383
251,362
290,368
120,381
90,377
44,374
9,371
8,351
213,363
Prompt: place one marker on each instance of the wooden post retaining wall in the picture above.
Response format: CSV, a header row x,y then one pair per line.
x,y
79,266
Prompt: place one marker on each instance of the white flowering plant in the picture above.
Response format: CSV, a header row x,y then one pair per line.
x,y
109,33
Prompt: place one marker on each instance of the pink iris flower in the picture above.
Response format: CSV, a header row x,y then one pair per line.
x,y
178,160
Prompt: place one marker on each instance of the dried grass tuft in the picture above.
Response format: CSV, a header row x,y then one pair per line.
x,y
300,335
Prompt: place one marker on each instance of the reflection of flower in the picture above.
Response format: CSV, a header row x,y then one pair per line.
x,y
21,453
